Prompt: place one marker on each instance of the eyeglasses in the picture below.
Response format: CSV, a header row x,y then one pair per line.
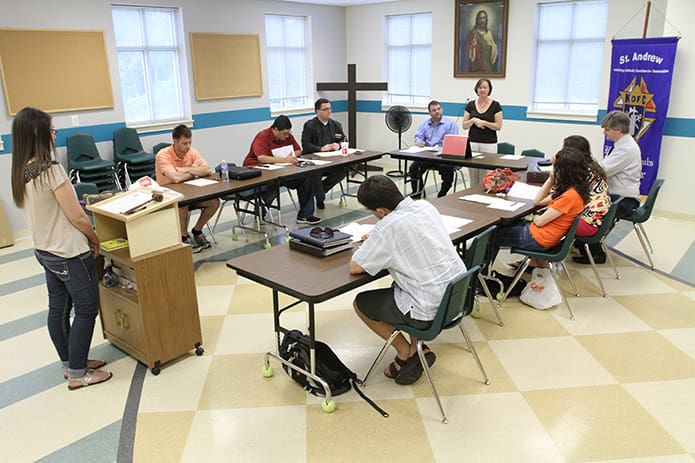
x,y
321,232
325,109
54,132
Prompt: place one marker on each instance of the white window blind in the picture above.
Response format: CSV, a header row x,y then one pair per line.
x,y
149,64
409,55
287,45
569,56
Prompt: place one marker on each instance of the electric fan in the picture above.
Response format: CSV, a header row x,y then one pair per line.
x,y
398,120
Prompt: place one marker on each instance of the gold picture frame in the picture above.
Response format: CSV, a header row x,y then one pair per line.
x,y
481,38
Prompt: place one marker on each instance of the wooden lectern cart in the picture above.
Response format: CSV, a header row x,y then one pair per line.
x,y
157,320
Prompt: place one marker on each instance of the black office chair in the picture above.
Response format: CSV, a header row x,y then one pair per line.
x,y
455,306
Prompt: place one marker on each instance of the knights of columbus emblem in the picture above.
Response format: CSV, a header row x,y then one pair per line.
x,y
636,101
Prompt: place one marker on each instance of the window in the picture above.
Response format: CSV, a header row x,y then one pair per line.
x,y
148,63
287,46
569,56
409,57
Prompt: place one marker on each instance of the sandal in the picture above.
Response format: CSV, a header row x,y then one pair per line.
x,y
392,370
91,378
430,357
410,372
91,365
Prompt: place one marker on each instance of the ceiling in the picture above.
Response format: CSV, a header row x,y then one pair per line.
x,y
340,2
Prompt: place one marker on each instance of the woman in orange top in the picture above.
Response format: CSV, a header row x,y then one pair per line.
x,y
569,195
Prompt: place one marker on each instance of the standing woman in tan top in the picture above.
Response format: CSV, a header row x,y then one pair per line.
x,y
64,241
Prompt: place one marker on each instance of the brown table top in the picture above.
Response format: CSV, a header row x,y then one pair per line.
x,y
452,202
193,194
478,161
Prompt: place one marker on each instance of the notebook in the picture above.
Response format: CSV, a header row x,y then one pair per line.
x,y
456,146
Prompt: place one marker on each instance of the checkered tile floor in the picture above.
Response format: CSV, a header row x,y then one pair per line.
x,y
616,384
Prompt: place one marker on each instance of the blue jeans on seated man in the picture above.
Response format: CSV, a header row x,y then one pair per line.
x,y
517,235
305,194
71,282
324,182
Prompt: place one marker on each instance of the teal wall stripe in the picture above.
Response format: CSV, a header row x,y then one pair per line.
x,y
674,126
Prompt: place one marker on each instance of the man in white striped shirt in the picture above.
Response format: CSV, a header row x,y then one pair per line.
x,y
412,243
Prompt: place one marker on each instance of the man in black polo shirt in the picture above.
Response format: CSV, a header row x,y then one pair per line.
x,y
323,134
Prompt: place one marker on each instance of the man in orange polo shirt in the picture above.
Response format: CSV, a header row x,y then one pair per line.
x,y
179,163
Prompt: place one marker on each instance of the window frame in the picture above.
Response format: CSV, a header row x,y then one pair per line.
x,y
307,104
415,102
179,55
537,109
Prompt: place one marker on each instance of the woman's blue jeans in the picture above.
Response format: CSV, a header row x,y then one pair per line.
x,y
517,235
72,282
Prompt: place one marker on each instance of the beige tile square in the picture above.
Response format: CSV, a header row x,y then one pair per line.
x,y
235,381
545,363
597,315
270,434
211,327
661,311
20,268
160,437
521,321
683,338
671,403
215,273
214,299
456,372
599,423
683,458
255,298
254,333
188,373
355,432
633,280
487,428
645,356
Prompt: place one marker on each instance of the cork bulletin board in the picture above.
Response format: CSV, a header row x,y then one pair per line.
x,y
55,70
226,65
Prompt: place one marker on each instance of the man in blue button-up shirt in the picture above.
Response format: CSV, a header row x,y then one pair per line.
x,y
431,133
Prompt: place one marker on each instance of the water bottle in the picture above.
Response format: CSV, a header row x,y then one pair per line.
x,y
224,171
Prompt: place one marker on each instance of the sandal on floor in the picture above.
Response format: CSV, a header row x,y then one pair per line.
x,y
393,371
91,378
410,372
430,356
91,365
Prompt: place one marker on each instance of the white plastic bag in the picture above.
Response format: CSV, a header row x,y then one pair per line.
x,y
541,292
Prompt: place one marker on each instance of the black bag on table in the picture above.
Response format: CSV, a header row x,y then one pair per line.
x,y
340,379
239,172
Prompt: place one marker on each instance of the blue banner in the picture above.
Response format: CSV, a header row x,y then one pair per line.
x,y
641,74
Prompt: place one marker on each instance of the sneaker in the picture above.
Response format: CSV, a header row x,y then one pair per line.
x,y
312,220
195,247
202,241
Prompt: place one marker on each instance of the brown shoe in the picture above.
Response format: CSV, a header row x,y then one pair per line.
x,y
91,378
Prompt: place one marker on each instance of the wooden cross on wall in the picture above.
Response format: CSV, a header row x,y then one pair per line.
x,y
352,87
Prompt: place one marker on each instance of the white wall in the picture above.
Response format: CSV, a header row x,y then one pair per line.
x,y
229,142
364,47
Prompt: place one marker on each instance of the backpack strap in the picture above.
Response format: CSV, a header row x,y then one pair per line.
x,y
354,382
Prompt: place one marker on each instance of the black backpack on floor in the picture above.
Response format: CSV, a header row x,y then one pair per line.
x,y
340,379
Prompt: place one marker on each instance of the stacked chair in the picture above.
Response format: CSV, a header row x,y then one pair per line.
x,y
132,161
85,164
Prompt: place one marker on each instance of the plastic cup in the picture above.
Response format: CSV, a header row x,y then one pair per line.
x,y
344,148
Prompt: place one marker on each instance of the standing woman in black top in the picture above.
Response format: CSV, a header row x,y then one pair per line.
x,y
482,118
